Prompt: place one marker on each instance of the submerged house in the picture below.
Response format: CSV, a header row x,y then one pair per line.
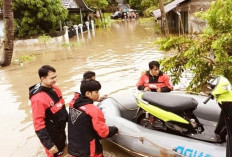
x,y
181,18
76,6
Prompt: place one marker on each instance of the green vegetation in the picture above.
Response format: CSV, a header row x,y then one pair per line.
x,y
38,17
100,6
145,7
44,38
25,58
106,21
207,55
97,4
73,19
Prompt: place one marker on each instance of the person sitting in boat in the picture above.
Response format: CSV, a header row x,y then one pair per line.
x,y
154,80
86,124
88,75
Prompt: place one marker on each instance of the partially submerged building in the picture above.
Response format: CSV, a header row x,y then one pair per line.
x,y
181,18
76,6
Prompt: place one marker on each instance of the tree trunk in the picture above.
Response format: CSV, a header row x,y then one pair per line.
x,y
163,18
8,42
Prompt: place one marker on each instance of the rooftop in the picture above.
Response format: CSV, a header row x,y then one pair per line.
x,y
168,7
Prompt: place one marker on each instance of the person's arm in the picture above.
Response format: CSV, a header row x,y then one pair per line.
x,y
38,112
99,124
76,96
101,98
140,83
168,87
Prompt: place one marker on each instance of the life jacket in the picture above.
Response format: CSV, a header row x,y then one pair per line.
x,y
76,96
154,82
84,133
49,115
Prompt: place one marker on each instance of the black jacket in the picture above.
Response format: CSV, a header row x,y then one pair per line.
x,y
86,126
49,115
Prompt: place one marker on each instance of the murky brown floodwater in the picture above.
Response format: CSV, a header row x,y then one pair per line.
x,y
118,55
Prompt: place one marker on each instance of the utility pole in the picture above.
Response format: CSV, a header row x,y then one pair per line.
x,y
164,22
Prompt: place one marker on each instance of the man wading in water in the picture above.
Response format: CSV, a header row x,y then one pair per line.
x,y
48,111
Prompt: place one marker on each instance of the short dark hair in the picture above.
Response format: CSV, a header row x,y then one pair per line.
x,y
153,64
43,71
88,75
89,85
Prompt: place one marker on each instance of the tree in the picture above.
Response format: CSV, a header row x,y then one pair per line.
x,y
207,55
36,17
163,18
8,43
97,5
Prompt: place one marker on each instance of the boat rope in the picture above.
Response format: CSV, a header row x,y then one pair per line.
x,y
142,139
193,93
131,109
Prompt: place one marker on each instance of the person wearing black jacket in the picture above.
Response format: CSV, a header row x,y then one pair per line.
x,y
48,111
86,123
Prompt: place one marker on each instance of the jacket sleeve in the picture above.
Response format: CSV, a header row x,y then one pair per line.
x,y
140,83
45,138
98,121
168,87
38,113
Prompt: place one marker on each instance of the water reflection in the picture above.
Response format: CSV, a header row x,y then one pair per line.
x,y
118,56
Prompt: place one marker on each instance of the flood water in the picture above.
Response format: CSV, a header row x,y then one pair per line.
x,y
118,55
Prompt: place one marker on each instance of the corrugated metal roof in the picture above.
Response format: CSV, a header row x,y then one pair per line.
x,y
76,4
65,3
167,7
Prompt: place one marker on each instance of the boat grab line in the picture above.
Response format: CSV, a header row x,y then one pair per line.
x,y
122,105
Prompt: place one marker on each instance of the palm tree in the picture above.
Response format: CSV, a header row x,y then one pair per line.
x,y
8,42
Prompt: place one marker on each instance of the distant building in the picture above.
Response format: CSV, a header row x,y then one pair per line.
x,y
76,6
180,14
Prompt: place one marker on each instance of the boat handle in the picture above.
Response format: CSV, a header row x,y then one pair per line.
x,y
210,97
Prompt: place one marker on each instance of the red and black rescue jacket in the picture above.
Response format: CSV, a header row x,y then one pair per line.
x,y
86,126
153,82
76,96
49,115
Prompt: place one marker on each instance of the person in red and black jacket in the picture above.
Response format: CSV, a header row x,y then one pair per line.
x,y
88,75
49,112
86,124
154,80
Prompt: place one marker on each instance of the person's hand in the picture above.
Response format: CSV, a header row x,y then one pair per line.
x,y
147,89
115,130
53,150
112,131
158,89
102,97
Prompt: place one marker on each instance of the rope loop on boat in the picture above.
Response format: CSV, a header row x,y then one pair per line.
x,y
131,109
